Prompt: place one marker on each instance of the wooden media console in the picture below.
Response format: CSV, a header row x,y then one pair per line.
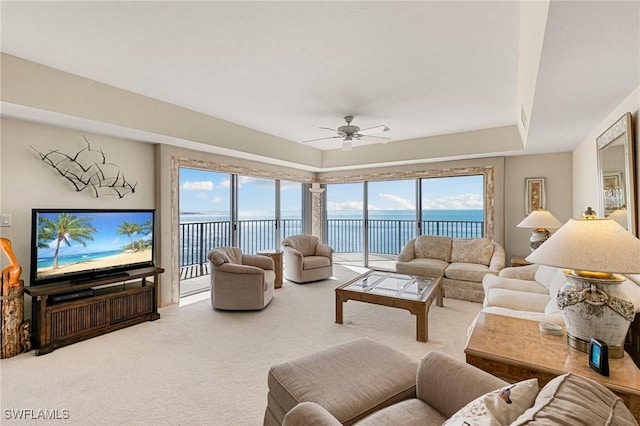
x,y
65,313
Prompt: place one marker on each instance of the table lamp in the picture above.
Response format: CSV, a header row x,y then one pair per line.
x,y
592,302
541,221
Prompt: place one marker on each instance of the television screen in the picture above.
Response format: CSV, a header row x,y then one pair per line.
x,y
70,244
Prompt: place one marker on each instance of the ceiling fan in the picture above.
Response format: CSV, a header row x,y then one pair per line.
x,y
349,133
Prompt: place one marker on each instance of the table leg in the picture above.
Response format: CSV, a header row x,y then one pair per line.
x,y
422,324
339,302
439,298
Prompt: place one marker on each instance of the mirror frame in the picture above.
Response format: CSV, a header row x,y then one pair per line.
x,y
622,128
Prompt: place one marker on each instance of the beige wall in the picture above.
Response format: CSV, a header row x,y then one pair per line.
x,y
556,169
585,166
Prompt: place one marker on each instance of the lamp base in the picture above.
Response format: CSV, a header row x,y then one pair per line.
x,y
595,308
538,236
583,346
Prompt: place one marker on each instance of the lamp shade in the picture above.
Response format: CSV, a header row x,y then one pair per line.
x,y
540,219
600,245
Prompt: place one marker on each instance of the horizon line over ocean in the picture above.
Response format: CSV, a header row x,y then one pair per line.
x,y
470,215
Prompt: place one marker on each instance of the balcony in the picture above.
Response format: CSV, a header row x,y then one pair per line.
x,y
385,238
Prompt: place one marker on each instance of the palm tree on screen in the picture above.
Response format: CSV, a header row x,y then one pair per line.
x,y
64,229
129,229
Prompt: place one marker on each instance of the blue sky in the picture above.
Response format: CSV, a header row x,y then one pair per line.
x,y
202,191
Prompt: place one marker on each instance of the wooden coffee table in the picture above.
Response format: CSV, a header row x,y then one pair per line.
x,y
409,292
514,349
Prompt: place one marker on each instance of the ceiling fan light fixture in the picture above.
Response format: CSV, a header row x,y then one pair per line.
x,y
347,145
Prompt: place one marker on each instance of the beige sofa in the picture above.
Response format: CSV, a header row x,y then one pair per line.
x,y
530,292
315,391
461,262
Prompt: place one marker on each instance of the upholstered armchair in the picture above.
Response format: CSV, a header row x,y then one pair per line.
x,y
240,281
306,259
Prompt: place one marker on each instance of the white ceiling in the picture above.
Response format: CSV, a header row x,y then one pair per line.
x,y
422,68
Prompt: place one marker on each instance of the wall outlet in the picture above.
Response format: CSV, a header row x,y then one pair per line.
x,y
5,220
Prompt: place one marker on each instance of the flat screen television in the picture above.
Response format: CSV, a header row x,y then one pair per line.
x,y
84,245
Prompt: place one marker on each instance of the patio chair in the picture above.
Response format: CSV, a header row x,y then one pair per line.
x,y
306,259
240,281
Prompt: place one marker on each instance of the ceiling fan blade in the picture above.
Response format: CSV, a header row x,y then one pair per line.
x,y
373,138
327,128
321,139
375,129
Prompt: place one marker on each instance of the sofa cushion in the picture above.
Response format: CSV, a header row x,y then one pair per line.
x,y
433,247
574,400
466,271
424,267
491,281
516,300
549,276
352,391
472,250
313,262
410,412
499,407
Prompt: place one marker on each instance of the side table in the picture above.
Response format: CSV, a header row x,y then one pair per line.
x,y
276,255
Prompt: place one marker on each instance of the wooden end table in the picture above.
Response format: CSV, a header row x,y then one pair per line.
x,y
514,349
276,255
385,288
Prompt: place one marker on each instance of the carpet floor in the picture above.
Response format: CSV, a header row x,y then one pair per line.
x,y
199,366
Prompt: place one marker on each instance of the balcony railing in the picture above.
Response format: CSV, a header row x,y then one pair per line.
x,y
386,236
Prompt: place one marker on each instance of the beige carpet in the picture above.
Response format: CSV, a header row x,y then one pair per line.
x,y
197,366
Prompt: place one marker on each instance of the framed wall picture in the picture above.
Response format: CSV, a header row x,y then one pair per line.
x,y
534,195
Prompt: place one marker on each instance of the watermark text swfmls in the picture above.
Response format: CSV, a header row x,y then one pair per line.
x,y
36,414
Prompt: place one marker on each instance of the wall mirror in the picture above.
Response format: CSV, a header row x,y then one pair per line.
x,y
616,174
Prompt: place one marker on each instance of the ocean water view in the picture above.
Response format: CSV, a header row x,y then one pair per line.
x,y
388,230
444,215
70,259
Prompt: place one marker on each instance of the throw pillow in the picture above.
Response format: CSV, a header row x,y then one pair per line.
x,y
497,408
576,401
472,250
433,247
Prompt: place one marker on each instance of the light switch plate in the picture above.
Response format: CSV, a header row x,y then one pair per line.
x,y
5,220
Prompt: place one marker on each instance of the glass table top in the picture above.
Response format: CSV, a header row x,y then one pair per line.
x,y
392,284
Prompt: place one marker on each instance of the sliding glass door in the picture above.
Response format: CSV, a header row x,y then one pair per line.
x,y
256,214
391,208
345,222
291,211
205,223
453,206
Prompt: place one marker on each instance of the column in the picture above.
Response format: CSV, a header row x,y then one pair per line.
x,y
316,210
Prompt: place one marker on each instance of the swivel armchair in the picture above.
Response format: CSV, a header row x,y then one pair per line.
x,y
306,259
240,281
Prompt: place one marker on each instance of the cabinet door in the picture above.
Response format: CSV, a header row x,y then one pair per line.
x,y
127,306
68,320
